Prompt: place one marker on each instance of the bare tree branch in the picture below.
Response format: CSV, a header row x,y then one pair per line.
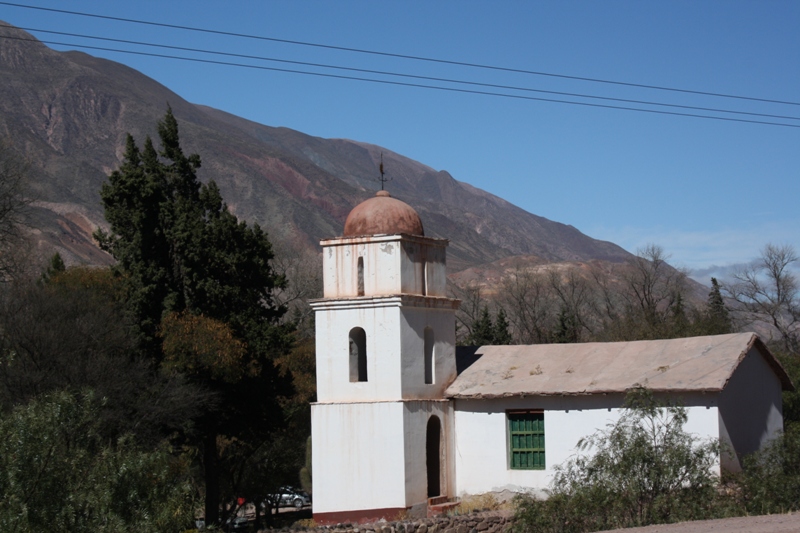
x,y
530,304
767,292
302,269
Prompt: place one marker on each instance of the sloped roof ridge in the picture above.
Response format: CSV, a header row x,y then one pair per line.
x,y
738,361
702,364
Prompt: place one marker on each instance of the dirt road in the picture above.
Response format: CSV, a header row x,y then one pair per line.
x,y
783,523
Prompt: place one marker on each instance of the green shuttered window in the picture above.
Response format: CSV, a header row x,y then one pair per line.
x,y
526,440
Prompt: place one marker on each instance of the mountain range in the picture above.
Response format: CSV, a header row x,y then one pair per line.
x,y
69,113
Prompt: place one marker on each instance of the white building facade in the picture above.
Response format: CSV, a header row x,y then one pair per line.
x,y
385,354
730,385
403,421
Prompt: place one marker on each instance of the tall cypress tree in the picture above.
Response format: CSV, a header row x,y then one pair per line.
x,y
501,333
718,318
197,276
566,330
482,330
678,325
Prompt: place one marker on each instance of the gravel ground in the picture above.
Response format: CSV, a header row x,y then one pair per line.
x,y
778,523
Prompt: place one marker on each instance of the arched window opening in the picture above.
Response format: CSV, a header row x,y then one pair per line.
x,y
358,355
433,456
424,278
361,277
428,347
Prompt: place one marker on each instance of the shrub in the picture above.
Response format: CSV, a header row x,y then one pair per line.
x,y
643,469
58,474
770,482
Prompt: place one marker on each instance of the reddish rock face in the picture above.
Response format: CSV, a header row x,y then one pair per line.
x,y
382,215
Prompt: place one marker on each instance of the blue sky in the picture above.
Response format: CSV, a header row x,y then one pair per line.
x,y
711,192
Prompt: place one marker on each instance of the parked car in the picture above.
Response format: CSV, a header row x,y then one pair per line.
x,y
290,497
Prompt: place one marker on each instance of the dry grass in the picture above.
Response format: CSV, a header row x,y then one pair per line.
x,y
479,502
403,515
305,523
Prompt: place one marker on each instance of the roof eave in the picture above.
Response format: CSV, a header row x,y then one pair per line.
x,y
495,396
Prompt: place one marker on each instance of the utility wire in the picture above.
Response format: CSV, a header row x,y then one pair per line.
x,y
400,56
413,76
406,84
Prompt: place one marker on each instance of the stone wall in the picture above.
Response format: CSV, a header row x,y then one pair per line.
x,y
481,522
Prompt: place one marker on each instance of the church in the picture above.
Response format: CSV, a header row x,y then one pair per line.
x,y
404,421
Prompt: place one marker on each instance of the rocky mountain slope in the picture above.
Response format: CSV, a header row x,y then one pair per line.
x,y
69,113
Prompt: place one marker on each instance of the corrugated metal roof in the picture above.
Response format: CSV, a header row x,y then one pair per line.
x,y
688,364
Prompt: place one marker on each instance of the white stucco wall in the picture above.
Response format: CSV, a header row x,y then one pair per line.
x,y
481,446
414,322
423,267
382,327
395,349
750,409
358,457
370,436
393,264
373,455
415,423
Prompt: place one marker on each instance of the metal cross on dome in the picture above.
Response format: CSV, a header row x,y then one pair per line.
x,y
383,179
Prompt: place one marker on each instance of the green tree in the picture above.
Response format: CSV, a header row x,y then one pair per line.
x,y
60,474
791,399
482,330
256,468
717,319
679,324
182,254
202,348
55,267
485,331
771,478
72,333
566,327
501,335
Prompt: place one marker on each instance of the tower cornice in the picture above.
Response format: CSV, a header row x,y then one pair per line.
x,y
394,300
340,241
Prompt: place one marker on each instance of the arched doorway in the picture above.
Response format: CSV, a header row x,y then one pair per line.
x,y
433,455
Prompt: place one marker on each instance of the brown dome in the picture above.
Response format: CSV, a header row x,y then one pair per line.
x,y
382,215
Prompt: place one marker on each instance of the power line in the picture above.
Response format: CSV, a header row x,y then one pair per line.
x,y
406,84
413,76
401,56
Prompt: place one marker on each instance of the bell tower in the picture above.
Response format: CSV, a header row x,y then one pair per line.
x,y
385,333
